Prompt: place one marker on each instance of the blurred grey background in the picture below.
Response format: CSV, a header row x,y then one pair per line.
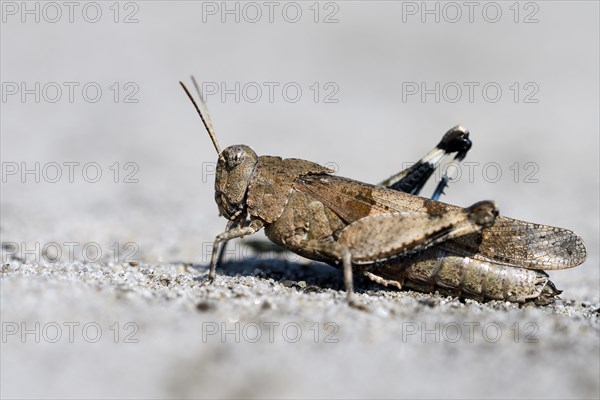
x,y
360,68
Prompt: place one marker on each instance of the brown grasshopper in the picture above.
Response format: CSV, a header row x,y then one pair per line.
x,y
387,232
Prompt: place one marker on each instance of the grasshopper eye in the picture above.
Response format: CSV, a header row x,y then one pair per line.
x,y
235,157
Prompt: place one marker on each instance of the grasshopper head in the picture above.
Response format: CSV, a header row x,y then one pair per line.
x,y
234,171
234,168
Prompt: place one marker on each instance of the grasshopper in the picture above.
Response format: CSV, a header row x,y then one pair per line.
x,y
388,232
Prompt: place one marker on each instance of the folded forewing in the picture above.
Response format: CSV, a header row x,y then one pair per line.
x,y
353,200
509,241
523,244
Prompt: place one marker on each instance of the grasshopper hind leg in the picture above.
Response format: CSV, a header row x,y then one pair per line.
x,y
411,180
548,295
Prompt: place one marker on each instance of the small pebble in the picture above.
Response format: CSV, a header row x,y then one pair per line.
x,y
205,306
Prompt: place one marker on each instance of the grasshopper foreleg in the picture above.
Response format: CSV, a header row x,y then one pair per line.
x,y
223,247
411,180
230,233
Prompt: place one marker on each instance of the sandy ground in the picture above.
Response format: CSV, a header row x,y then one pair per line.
x,y
277,329
138,319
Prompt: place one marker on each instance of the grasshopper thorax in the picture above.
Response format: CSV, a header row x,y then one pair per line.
x,y
234,172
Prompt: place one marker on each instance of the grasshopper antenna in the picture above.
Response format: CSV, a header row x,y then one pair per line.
x,y
206,121
203,104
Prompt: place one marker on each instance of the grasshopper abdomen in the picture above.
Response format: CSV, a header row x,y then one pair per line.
x,y
440,270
